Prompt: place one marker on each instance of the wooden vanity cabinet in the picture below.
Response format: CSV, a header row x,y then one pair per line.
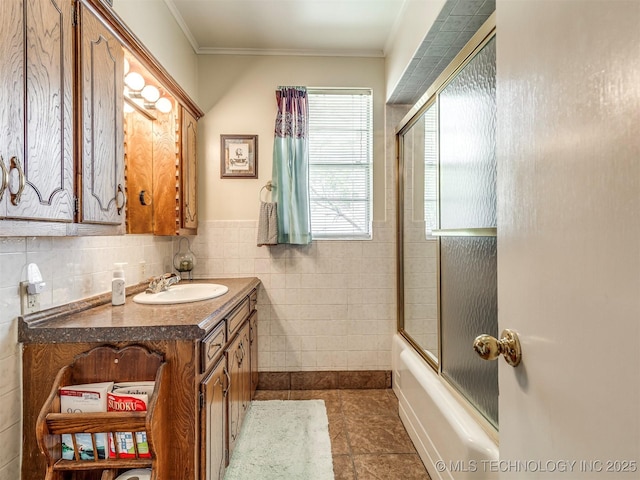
x,y
213,422
206,379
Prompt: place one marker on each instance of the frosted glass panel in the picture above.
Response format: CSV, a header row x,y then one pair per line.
x,y
467,145
420,312
468,293
469,307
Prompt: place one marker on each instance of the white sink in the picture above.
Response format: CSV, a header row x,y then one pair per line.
x,y
182,293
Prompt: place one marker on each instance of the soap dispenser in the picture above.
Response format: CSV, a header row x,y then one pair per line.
x,y
117,285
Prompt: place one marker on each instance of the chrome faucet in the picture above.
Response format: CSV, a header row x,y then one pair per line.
x,y
162,283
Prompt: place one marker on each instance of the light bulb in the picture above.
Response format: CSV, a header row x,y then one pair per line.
x,y
164,105
134,81
150,93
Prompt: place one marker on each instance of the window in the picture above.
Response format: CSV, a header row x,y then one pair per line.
x,y
430,170
340,163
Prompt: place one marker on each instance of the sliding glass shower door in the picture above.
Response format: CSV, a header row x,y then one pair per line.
x,y
467,217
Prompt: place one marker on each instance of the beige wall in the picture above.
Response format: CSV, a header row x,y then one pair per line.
x,y
155,26
238,97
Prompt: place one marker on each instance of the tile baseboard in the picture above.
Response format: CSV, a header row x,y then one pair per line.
x,y
324,380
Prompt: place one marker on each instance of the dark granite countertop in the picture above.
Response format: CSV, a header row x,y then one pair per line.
x,y
96,320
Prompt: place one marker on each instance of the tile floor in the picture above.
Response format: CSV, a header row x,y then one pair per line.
x,y
368,440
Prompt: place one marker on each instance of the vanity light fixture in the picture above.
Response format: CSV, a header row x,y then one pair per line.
x,y
150,93
134,81
164,105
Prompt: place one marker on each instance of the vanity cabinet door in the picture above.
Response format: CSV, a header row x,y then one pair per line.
x,y
253,341
36,113
238,363
101,117
213,444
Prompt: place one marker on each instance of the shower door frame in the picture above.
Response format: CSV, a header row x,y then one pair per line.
x,y
484,35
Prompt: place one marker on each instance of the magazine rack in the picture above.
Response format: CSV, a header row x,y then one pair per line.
x,y
132,363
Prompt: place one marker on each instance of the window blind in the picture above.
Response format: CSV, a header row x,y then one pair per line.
x,y
340,163
430,170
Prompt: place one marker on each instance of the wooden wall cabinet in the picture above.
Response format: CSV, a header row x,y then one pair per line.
x,y
36,112
100,115
62,166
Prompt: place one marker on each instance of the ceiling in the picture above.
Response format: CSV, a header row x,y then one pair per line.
x,y
295,27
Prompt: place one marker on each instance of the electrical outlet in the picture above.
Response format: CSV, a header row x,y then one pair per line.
x,y
142,271
28,303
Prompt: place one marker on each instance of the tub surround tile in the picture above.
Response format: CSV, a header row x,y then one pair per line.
x,y
271,395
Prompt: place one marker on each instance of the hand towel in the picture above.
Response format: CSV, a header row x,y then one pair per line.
x,y
268,224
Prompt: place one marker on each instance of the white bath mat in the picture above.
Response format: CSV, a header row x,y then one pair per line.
x,y
283,439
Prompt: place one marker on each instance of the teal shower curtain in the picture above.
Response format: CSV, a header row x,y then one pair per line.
x,y
291,166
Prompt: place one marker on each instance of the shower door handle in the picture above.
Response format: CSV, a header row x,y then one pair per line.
x,y
490,348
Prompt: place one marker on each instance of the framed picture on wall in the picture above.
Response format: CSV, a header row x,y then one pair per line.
x,y
238,156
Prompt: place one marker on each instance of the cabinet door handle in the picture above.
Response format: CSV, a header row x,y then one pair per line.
x,y
243,352
119,192
5,177
226,373
15,197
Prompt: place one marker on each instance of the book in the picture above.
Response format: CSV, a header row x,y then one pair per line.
x,y
84,398
129,397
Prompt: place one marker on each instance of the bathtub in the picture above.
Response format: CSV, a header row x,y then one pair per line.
x,y
449,440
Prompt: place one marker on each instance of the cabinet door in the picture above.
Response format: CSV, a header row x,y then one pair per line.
x,y
101,121
188,173
36,147
246,369
213,445
253,356
234,401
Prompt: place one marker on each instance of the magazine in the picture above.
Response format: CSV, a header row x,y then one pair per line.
x,y
85,398
129,397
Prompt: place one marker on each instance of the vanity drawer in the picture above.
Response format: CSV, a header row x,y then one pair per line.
x,y
211,346
239,315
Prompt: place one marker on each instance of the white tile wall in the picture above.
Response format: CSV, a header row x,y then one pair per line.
x,y
326,306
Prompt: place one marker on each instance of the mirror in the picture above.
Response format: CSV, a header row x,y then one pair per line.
x,y
417,248
150,151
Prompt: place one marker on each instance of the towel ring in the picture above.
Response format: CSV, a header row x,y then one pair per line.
x,y
269,186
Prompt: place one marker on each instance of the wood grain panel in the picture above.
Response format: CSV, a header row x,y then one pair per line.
x,y
11,88
189,171
101,68
48,159
164,173
139,168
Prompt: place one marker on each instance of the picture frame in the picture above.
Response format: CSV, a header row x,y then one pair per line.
x,y
238,156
